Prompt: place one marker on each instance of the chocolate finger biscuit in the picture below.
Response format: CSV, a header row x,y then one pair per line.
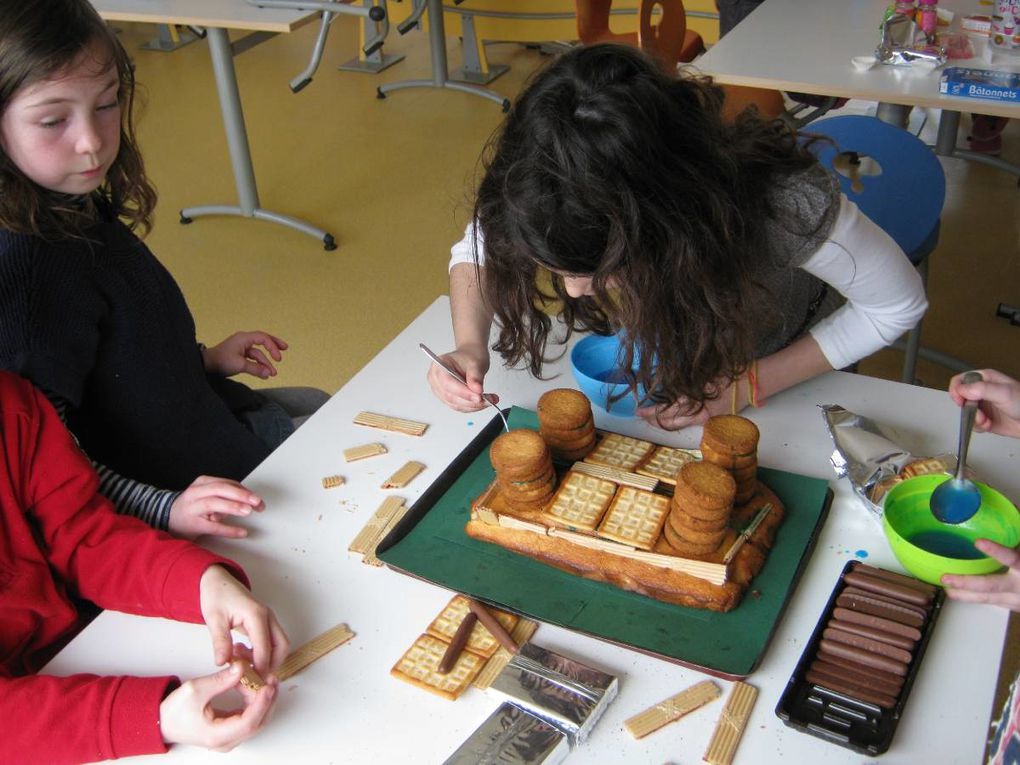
x,y
875,634
888,588
851,689
881,608
877,622
874,660
866,644
885,681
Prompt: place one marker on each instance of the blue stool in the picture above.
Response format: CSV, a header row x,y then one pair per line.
x,y
898,182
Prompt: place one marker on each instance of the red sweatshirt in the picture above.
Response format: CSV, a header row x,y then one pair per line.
x,y
59,536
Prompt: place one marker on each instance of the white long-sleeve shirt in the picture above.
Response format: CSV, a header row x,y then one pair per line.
x,y
884,292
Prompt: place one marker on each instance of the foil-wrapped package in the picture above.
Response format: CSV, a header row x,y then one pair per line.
x,y
868,454
564,692
512,736
903,43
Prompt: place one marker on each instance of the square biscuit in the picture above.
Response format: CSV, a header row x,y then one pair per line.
x,y
666,461
580,502
620,451
481,640
419,666
635,518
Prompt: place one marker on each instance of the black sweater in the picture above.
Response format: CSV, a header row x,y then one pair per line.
x,y
102,324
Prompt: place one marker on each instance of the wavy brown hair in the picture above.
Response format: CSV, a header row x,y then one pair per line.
x,y
43,39
606,167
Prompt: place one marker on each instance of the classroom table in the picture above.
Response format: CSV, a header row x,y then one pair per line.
x,y
217,17
346,707
795,46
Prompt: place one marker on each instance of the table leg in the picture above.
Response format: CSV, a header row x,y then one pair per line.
x,y
240,153
440,69
945,145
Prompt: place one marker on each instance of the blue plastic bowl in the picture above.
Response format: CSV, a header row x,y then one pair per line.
x,y
595,361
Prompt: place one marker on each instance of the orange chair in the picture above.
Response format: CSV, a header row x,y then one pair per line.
x,y
670,42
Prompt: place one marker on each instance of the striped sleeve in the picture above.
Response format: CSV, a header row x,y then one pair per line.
x,y
130,497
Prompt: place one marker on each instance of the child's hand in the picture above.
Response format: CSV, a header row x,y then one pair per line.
x,y
200,508
226,605
998,589
999,397
187,716
473,365
677,415
239,353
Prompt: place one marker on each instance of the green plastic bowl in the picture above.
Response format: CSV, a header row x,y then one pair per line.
x,y
928,548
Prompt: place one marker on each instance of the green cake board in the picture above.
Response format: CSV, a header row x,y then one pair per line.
x,y
430,543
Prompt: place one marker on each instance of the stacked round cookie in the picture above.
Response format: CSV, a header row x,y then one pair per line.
x,y
524,469
700,510
731,442
566,423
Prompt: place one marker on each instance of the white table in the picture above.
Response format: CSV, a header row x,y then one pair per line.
x,y
807,47
347,708
217,17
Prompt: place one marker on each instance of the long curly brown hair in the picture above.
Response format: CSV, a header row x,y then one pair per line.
x,y
42,39
606,167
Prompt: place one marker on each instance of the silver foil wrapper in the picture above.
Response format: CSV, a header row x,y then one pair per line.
x,y
869,454
903,43
564,692
512,736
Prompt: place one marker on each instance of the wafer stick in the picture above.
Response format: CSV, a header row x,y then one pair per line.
x,y
399,513
492,625
332,481
460,639
616,475
250,679
746,533
382,520
361,452
673,708
312,650
394,424
730,726
404,476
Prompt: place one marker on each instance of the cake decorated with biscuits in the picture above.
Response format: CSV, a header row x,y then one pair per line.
x,y
685,526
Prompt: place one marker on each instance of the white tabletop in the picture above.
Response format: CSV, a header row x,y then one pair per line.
x,y
225,14
807,47
347,708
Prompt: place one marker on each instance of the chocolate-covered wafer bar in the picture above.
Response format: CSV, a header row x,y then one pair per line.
x,y
892,576
851,689
876,679
878,622
866,658
866,644
919,611
875,634
879,607
888,588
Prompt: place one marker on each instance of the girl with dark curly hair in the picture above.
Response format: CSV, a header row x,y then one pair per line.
x,y
721,251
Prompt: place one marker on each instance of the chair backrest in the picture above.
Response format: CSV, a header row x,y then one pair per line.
x,y
664,36
899,181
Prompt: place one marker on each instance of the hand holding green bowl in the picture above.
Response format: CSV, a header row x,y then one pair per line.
x,y
928,548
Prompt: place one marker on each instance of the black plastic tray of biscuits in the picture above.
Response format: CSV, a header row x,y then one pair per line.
x,y
853,679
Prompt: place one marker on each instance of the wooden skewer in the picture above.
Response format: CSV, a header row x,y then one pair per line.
x,y
746,533
460,638
491,623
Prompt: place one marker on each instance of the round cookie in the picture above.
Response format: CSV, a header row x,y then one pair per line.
x,y
730,434
705,485
563,409
683,547
694,536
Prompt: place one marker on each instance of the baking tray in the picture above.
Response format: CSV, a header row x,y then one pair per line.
x,y
871,733
430,543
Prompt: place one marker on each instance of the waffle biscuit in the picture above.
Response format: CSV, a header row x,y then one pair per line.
x,y
580,502
688,521
620,451
665,462
635,517
730,434
420,664
704,485
684,548
481,640
694,536
563,409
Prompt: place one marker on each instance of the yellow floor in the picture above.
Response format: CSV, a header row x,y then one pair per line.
x,y
392,180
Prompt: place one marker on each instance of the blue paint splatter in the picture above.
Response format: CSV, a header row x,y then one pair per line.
x,y
861,553
471,423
